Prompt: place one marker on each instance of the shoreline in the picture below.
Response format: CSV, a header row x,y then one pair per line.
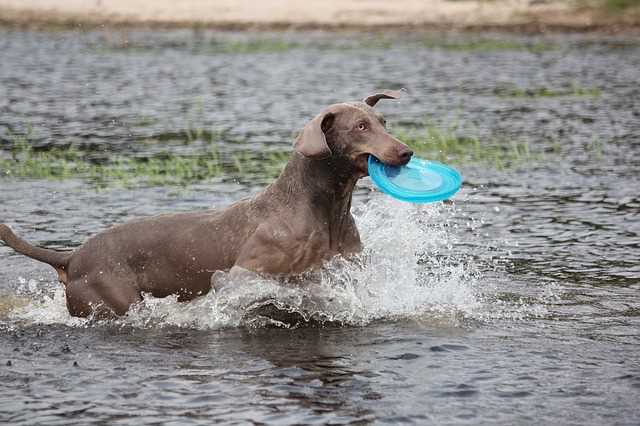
x,y
348,15
523,28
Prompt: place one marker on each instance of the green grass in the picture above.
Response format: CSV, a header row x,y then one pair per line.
x,y
619,6
486,45
144,121
164,168
246,46
207,162
261,45
544,92
445,145
275,44
215,46
611,11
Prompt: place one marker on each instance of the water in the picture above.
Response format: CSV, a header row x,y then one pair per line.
x,y
516,305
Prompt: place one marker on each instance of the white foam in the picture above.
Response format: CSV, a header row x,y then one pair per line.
x,y
409,270
45,304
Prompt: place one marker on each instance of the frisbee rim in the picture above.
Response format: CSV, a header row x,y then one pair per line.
x,y
451,179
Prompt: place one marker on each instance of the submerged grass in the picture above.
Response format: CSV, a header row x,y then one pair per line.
x,y
217,45
254,45
611,13
168,168
545,92
276,44
620,6
486,45
164,168
445,145
257,46
615,7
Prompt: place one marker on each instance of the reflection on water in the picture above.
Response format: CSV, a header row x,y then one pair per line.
x,y
518,304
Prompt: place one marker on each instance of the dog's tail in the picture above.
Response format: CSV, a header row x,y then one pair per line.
x,y
57,259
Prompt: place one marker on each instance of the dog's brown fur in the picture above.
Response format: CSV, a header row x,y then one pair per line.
x,y
296,223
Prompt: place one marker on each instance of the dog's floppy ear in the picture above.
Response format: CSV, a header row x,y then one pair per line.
x,y
385,94
312,143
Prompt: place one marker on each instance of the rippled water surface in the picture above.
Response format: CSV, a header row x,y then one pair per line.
x,y
518,304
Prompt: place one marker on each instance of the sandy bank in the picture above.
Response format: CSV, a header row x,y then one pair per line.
x,y
460,14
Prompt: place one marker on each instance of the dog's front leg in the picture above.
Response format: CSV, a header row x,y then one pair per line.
x,y
272,251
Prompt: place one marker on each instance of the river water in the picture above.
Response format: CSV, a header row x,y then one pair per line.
x,y
517,304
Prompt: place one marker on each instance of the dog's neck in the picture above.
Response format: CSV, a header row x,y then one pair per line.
x,y
326,182
325,185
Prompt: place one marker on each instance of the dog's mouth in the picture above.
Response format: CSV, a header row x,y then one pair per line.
x,y
362,162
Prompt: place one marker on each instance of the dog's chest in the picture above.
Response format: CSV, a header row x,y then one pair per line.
x,y
320,245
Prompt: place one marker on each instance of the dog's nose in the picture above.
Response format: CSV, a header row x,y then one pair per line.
x,y
405,155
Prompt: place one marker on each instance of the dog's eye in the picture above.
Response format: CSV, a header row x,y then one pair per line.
x,y
362,126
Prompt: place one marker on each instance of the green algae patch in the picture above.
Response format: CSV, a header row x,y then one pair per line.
x,y
221,45
546,92
205,161
121,169
447,146
486,45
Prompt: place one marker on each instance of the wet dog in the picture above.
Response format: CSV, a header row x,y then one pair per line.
x,y
299,221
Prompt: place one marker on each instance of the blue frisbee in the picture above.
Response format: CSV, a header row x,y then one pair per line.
x,y
419,181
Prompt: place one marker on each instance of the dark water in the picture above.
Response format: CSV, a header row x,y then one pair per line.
x,y
518,305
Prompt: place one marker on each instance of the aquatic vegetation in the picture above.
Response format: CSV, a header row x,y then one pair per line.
x,y
144,121
375,42
486,45
276,44
224,44
221,45
545,92
164,168
445,145
610,12
256,45
619,6
206,161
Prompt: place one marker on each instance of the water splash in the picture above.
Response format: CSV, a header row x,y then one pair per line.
x,y
39,303
409,270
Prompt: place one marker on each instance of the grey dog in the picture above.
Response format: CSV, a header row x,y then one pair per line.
x,y
299,221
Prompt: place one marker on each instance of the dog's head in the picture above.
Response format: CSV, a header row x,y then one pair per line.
x,y
352,131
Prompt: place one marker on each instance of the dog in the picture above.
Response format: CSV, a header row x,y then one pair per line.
x,y
295,224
